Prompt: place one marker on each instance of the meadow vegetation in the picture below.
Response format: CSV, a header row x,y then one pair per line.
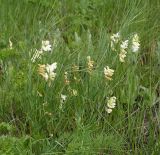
x,y
79,77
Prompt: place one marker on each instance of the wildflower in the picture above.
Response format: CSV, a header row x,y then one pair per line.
x,y
124,44
74,92
75,68
108,73
66,78
51,68
115,37
123,52
122,55
36,55
111,103
47,72
90,64
46,46
114,40
63,99
108,110
135,43
10,44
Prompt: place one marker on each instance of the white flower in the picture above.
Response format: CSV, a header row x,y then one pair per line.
x,y
108,73
51,68
108,110
47,72
124,44
115,37
111,102
63,97
62,100
66,80
135,43
123,52
10,44
122,55
46,46
90,64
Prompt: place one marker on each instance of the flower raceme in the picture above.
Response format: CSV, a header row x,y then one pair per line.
x,y
124,45
111,103
47,72
122,55
62,100
90,64
10,44
46,46
135,43
115,37
123,52
108,73
114,40
66,80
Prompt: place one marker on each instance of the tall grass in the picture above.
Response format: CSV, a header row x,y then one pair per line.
x,y
31,120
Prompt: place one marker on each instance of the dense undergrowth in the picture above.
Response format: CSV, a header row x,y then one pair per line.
x,y
67,114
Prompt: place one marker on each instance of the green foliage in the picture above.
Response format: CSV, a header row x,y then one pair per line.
x,y
86,143
80,124
14,146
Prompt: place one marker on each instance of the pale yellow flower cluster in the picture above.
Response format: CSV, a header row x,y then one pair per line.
x,y
108,73
115,39
111,103
46,46
10,44
47,72
90,64
135,43
123,52
66,80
